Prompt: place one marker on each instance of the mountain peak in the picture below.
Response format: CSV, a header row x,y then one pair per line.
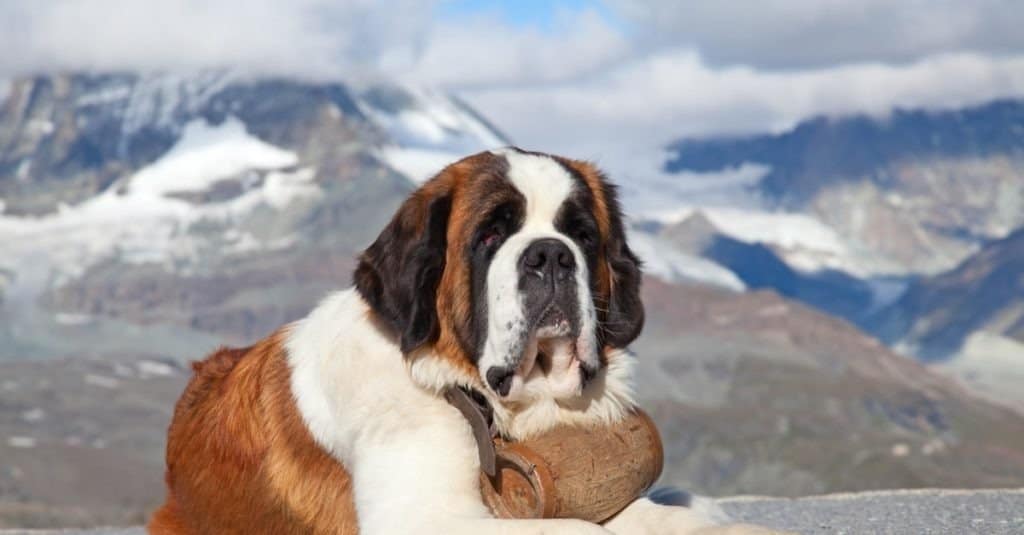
x,y
64,138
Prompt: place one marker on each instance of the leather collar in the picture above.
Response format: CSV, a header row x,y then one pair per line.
x,y
478,412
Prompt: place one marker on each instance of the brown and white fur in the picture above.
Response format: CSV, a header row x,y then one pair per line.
x,y
336,423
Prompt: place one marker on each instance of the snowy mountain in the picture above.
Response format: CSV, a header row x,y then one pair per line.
x,y
846,213
913,192
108,181
760,266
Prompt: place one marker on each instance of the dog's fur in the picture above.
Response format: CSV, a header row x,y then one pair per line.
x,y
337,424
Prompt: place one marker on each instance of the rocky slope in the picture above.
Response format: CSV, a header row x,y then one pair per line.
x,y
937,314
734,377
968,321
82,439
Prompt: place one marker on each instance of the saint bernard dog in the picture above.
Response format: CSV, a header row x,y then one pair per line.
x,y
507,274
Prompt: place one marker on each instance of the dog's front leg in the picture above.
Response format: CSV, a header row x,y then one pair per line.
x,y
644,517
422,477
401,491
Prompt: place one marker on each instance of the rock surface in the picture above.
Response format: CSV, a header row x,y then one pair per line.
x,y
989,512
995,512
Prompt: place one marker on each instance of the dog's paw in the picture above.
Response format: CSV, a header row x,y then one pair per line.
x,y
700,505
577,527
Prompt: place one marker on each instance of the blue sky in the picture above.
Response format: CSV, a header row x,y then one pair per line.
x,y
526,13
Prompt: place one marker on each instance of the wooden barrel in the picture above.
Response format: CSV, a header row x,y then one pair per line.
x,y
574,472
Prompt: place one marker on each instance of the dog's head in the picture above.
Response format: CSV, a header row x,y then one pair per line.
x,y
512,268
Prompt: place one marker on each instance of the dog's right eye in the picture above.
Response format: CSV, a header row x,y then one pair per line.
x,y
491,236
497,229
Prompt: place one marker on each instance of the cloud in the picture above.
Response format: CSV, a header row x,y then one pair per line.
x,y
321,38
623,117
612,83
315,37
407,38
484,50
786,34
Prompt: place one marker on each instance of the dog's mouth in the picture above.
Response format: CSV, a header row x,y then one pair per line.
x,y
554,322
556,360
555,354
552,342
550,366
552,357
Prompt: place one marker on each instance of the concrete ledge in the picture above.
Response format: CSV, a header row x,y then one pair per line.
x,y
910,512
962,512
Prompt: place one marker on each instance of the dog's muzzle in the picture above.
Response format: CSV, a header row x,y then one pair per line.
x,y
547,283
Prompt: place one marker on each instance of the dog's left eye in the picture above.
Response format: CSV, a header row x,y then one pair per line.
x,y
491,236
584,237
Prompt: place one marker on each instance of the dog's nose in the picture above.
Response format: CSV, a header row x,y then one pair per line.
x,y
549,257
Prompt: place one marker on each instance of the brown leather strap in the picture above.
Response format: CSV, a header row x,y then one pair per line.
x,y
478,413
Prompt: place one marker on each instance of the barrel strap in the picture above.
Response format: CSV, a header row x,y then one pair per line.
x,y
478,412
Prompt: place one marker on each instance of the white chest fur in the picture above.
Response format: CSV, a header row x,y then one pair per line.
x,y
412,456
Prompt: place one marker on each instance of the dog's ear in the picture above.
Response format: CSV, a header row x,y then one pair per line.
x,y
399,273
625,316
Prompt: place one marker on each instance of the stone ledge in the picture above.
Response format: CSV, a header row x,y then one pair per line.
x,y
989,512
901,512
